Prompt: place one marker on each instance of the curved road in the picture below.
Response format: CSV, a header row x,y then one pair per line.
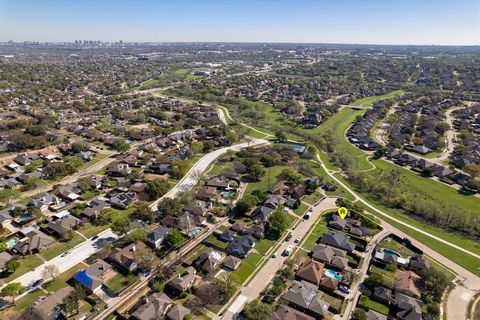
x,y
461,295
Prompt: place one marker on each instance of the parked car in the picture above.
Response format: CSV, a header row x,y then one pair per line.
x,y
297,239
288,250
344,288
308,215
289,236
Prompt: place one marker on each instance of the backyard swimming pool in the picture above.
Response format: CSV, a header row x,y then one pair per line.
x,y
228,194
391,253
11,243
333,274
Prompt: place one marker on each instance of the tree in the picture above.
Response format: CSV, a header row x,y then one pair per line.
x,y
257,310
228,284
12,289
260,195
277,224
50,270
36,130
281,136
156,188
291,176
175,238
6,195
137,234
359,314
143,212
121,226
3,247
256,172
121,145
169,206
472,169
246,204
13,265
180,168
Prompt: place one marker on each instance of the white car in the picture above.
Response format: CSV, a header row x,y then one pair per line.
x,y
288,250
297,239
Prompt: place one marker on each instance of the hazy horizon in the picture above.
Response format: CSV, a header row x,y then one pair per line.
x,y
369,22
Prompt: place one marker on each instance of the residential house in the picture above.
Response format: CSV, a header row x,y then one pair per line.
x,y
187,280
311,271
33,241
228,235
284,312
206,193
156,237
330,255
407,308
122,200
383,295
406,282
96,275
125,257
338,240
156,307
50,307
306,297
119,170
374,315
198,207
231,263
208,261
178,312
329,284
219,182
45,201
64,225
241,246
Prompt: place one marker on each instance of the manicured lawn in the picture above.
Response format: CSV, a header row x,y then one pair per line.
x,y
268,181
119,282
387,276
59,247
192,255
223,228
119,214
310,242
247,266
60,280
97,158
24,302
89,230
214,241
312,198
28,263
370,304
335,303
264,245
302,208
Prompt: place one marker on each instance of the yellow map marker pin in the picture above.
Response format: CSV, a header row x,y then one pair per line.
x,y
342,212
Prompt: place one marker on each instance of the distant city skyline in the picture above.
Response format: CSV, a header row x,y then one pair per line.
x,y
419,22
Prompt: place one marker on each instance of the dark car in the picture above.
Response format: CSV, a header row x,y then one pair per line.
x,y
37,283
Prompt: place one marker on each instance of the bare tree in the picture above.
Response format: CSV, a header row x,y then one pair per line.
x,y
50,270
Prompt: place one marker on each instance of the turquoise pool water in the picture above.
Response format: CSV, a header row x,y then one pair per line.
x,y
194,231
333,274
391,253
11,243
228,194
24,217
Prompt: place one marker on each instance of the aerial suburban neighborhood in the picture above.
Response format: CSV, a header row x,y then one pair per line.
x,y
235,180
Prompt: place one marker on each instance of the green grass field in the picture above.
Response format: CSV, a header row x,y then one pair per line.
x,y
370,304
60,246
27,263
247,267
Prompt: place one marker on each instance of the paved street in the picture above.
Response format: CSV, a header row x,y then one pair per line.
x,y
194,174
266,274
63,263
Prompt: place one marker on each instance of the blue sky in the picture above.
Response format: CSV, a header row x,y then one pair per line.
x,y
321,21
